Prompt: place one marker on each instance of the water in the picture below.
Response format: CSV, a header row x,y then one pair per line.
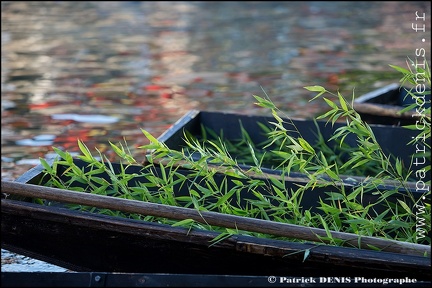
x,y
101,71
12,262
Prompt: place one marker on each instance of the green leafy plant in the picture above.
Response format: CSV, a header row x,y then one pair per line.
x,y
217,180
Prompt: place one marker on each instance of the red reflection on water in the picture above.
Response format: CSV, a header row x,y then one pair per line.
x,y
154,87
42,105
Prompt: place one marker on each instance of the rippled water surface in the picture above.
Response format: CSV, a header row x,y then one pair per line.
x,y
101,71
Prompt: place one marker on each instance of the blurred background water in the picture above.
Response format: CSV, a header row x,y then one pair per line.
x,y
101,71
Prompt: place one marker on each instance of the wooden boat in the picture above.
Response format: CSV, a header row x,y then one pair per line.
x,y
91,242
383,106
229,127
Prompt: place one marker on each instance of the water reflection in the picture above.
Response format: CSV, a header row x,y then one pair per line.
x,y
144,64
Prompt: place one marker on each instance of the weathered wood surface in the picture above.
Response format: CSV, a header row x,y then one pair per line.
x,y
84,241
211,218
383,110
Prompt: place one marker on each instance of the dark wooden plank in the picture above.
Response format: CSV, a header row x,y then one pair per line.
x,y
211,218
93,242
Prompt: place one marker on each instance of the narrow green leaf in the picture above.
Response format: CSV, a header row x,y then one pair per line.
x,y
46,166
185,222
321,90
306,254
331,104
315,88
306,146
331,173
220,237
399,166
264,103
342,101
87,154
400,69
404,206
360,163
150,137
